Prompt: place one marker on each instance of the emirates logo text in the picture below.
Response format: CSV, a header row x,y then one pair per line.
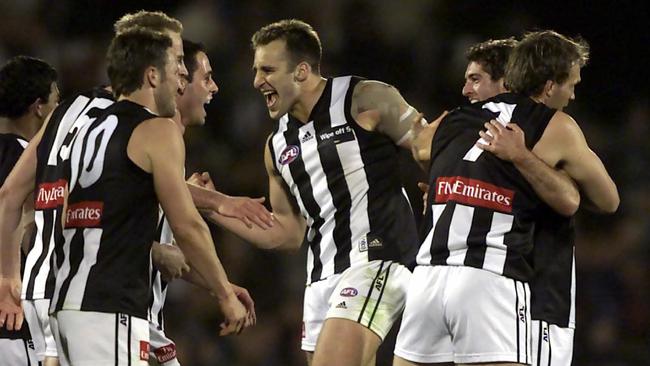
x,y
474,192
50,195
84,214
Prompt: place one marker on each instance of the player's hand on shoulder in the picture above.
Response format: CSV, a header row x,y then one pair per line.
x,y
11,310
506,142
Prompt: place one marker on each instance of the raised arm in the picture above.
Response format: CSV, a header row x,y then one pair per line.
x,y
553,186
288,227
157,146
563,145
380,107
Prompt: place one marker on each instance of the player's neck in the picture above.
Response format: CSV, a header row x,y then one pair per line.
x,y
25,127
310,94
143,97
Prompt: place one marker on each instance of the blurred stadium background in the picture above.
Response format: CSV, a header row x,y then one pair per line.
x,y
418,46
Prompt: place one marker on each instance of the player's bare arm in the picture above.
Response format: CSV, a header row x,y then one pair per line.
x,y
380,107
157,146
249,210
14,192
563,146
288,224
553,186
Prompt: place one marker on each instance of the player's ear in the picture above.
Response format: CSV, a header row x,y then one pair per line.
x,y
151,76
548,88
301,72
37,108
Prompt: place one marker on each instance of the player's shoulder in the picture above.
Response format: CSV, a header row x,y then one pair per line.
x,y
563,123
159,129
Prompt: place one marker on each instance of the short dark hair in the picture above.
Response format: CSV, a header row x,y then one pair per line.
x,y
24,80
131,53
542,56
492,55
154,20
190,50
301,39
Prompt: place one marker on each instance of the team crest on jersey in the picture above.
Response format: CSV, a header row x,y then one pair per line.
x,y
289,154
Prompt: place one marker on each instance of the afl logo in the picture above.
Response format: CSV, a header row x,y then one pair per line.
x,y
349,292
289,154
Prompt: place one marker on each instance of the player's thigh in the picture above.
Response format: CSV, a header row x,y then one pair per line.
x,y
92,338
17,352
315,307
38,319
489,317
372,295
345,342
424,337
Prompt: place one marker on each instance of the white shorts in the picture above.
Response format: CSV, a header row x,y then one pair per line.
x,y
372,294
17,352
88,338
464,315
552,345
162,350
38,319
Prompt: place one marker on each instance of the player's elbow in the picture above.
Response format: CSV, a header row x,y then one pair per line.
x,y
570,206
187,229
8,200
612,204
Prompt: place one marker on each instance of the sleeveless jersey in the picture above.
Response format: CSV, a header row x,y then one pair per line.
x,y
11,147
345,181
111,216
481,211
65,122
164,235
553,286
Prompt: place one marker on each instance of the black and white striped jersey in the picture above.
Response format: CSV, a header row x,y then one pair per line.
x,y
164,235
481,211
554,285
111,218
65,122
11,147
345,181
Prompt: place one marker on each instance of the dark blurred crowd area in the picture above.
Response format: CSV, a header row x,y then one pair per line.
x,y
418,46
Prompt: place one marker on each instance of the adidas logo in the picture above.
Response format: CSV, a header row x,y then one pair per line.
x,y
341,305
375,243
306,137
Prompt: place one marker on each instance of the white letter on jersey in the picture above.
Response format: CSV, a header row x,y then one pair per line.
x,y
505,115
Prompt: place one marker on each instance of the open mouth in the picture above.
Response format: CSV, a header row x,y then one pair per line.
x,y
271,98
